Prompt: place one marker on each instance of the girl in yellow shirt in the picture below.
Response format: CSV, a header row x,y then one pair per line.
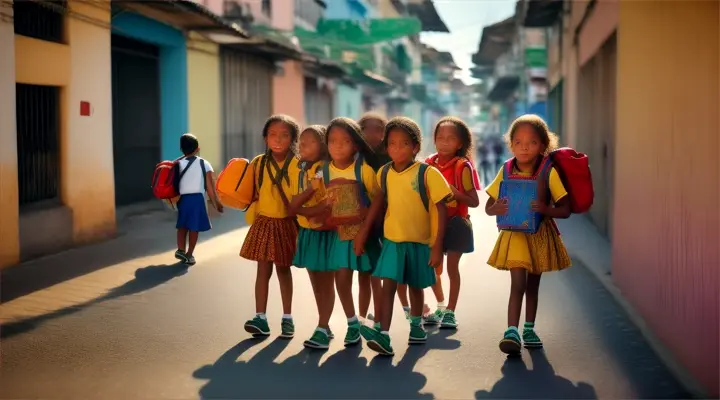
x,y
273,233
314,239
348,152
415,195
527,255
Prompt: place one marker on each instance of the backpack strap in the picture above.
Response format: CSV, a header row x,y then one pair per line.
x,y
301,177
422,185
326,173
507,168
358,177
204,172
383,178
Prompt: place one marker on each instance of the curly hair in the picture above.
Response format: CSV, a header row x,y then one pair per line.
x,y
320,133
372,116
547,138
353,128
405,124
463,131
294,133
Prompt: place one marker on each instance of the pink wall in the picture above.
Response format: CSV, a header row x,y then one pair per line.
x,y
598,27
666,230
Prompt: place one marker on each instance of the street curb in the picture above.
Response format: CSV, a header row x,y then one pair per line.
x,y
679,371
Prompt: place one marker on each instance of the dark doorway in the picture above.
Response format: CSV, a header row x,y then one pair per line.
x,y
136,118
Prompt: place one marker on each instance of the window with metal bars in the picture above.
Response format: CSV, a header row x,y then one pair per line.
x,y
42,20
38,142
266,7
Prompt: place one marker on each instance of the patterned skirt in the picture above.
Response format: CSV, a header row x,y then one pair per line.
x,y
271,239
540,252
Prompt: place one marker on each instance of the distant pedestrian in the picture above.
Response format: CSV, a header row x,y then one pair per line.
x,y
499,152
528,255
195,179
373,130
484,159
273,231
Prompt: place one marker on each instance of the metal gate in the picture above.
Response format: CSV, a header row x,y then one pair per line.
x,y
136,118
247,103
318,103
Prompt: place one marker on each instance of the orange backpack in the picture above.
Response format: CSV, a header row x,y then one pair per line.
x,y
236,184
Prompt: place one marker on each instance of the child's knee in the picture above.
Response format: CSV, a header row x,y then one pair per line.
x,y
284,271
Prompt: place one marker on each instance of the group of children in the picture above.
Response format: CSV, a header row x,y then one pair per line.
x,y
408,217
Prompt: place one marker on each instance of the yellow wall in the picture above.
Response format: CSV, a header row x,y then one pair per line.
x,y
9,232
87,173
204,98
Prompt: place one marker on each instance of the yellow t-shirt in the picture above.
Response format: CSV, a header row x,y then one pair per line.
x,y
557,190
313,174
269,201
367,175
467,184
406,219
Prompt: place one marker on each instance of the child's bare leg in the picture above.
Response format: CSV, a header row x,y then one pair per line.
x,y
532,296
192,241
182,239
376,284
402,292
326,288
417,301
518,286
262,283
286,287
317,292
438,290
343,281
389,287
364,293
453,269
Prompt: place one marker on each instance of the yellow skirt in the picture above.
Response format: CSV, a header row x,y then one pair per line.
x,y
540,252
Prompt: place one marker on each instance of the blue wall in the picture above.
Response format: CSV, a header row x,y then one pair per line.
x,y
348,9
173,74
349,101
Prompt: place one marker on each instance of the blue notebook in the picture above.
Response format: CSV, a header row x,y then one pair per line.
x,y
519,217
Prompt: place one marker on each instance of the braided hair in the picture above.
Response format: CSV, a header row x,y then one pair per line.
x,y
320,133
463,131
408,126
294,133
353,128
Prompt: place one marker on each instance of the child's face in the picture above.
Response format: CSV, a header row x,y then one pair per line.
x,y
526,145
401,148
309,146
447,140
340,144
374,133
279,137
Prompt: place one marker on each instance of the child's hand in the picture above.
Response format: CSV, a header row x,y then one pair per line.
x,y
219,207
359,244
539,207
455,191
436,256
499,207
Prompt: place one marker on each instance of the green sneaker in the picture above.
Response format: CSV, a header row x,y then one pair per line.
x,y
353,334
380,343
530,339
448,320
257,327
434,318
377,327
319,340
288,328
331,335
407,313
417,332
510,343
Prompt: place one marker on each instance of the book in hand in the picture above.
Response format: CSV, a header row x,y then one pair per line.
x,y
520,217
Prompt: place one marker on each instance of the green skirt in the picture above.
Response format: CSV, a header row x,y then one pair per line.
x,y
343,255
313,249
407,263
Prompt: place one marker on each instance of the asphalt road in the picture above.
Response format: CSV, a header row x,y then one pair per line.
x,y
119,321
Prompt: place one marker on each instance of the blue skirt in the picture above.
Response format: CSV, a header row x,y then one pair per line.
x,y
192,213
313,250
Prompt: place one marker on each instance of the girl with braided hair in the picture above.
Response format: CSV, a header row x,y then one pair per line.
x,y
273,234
414,227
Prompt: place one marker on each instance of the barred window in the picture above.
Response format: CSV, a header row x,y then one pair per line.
x,y
42,20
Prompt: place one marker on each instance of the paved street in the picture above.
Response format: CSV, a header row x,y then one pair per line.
x,y
119,320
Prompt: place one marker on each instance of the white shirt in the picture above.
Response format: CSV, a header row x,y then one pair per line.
x,y
193,180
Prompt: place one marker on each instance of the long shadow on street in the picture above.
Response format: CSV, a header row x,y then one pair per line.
x,y
145,279
541,382
343,375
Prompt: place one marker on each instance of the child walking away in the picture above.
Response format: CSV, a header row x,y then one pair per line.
x,y
314,239
528,255
272,236
415,194
194,179
454,144
372,126
351,184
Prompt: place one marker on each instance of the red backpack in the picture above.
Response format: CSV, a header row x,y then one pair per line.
x,y
166,178
574,171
